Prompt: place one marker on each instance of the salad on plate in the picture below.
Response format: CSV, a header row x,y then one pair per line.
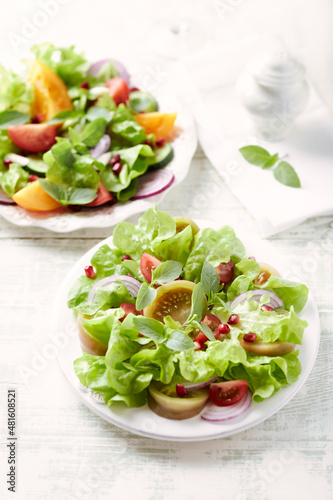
x,y
75,134
184,320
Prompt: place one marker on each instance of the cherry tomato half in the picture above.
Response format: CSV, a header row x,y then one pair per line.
x,y
129,308
227,393
147,264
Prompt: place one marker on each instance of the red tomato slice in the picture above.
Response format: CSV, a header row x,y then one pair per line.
x,y
212,322
103,196
129,308
225,270
33,137
147,264
227,393
118,90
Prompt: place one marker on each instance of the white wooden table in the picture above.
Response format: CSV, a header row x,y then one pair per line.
x,y
67,452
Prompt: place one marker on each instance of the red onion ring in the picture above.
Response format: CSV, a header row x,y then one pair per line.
x,y
132,285
5,199
274,302
152,183
121,70
217,414
101,147
190,386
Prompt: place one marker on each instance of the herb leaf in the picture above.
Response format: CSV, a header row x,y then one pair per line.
x,y
209,279
197,305
93,132
179,341
150,328
10,118
286,174
145,296
166,272
258,156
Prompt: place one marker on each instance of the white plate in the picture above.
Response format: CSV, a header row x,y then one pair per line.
x,y
143,421
184,148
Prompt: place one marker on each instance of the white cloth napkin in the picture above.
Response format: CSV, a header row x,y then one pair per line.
x,y
224,126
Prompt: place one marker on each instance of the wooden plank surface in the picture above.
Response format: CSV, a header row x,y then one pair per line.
x,y
67,452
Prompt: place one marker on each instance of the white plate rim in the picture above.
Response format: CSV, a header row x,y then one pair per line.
x,y
109,415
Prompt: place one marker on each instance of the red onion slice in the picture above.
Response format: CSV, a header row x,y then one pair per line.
x,y
5,199
217,414
153,183
19,159
274,302
101,147
132,285
121,70
190,386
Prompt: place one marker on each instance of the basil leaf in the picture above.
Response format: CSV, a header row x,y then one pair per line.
x,y
179,341
207,331
209,279
167,271
197,303
10,118
134,269
65,115
99,112
62,152
74,136
258,156
93,132
150,328
285,174
145,296
54,191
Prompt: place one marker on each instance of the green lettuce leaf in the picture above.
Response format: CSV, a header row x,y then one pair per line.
x,y
291,293
13,179
15,92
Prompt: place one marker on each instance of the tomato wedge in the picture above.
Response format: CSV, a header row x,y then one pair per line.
x,y
103,196
118,90
227,393
147,264
212,322
129,308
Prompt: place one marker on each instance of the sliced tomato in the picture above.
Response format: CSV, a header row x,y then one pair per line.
x,y
227,393
103,196
225,270
118,90
129,308
33,137
147,264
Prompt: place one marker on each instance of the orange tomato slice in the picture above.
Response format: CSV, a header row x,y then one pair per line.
x,y
51,95
156,123
33,197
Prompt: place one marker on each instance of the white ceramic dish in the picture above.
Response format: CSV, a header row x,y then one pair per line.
x,y
184,148
143,421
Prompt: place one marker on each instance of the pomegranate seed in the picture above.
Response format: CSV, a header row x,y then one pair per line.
x,y
233,320
129,275
7,162
90,272
85,85
252,258
117,168
198,345
250,337
149,143
267,308
134,89
115,159
223,328
37,118
126,257
32,178
160,142
181,391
